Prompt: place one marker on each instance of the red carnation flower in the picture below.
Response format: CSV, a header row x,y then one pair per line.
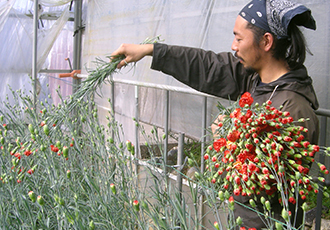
x,y
292,200
27,153
236,192
322,167
231,199
219,143
214,158
236,113
233,136
246,99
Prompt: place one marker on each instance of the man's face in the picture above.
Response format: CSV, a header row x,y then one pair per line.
x,y
244,46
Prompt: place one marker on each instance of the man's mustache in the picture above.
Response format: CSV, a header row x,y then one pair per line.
x,y
238,56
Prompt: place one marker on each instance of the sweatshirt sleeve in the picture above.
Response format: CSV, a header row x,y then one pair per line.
x,y
220,74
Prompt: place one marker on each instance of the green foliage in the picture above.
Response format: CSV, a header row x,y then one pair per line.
x,y
80,174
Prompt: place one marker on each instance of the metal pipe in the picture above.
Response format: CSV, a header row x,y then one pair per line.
x,y
77,49
323,112
113,101
179,163
35,52
77,40
204,128
137,148
167,109
204,124
323,133
320,111
160,86
55,71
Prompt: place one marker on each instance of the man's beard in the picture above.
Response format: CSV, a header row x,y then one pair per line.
x,y
249,69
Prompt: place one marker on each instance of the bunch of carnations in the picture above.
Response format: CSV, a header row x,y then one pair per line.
x,y
261,148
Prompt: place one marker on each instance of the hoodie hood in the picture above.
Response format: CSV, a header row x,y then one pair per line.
x,y
297,81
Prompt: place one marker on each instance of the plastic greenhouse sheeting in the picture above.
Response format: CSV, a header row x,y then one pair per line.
x,y
16,38
207,24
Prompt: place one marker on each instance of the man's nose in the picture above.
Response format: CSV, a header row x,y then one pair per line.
x,y
234,45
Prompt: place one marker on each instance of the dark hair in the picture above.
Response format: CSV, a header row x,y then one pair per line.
x,y
292,49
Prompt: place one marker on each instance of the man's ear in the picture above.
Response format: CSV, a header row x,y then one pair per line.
x,y
267,42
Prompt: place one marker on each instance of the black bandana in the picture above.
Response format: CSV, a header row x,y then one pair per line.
x,y
275,15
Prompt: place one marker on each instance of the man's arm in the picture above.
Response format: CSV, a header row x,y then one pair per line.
x,y
217,74
133,53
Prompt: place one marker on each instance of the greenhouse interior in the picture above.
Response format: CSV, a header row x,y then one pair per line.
x,y
85,145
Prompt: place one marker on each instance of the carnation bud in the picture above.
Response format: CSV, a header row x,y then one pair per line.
x,y
46,129
91,225
113,188
278,226
129,145
239,221
305,206
285,214
267,204
32,196
221,195
31,129
65,151
227,194
263,200
68,174
40,200
252,203
190,162
306,180
216,225
136,205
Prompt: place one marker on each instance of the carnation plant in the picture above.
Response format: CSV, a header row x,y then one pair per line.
x,y
62,177
64,170
260,151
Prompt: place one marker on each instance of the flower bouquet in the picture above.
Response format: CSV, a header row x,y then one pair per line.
x,y
260,149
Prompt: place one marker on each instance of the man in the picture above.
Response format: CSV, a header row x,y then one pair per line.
x,y
269,55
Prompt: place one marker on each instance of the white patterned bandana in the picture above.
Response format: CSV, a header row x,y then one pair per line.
x,y
275,15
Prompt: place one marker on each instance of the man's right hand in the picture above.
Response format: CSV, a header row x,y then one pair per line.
x,y
215,125
133,53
